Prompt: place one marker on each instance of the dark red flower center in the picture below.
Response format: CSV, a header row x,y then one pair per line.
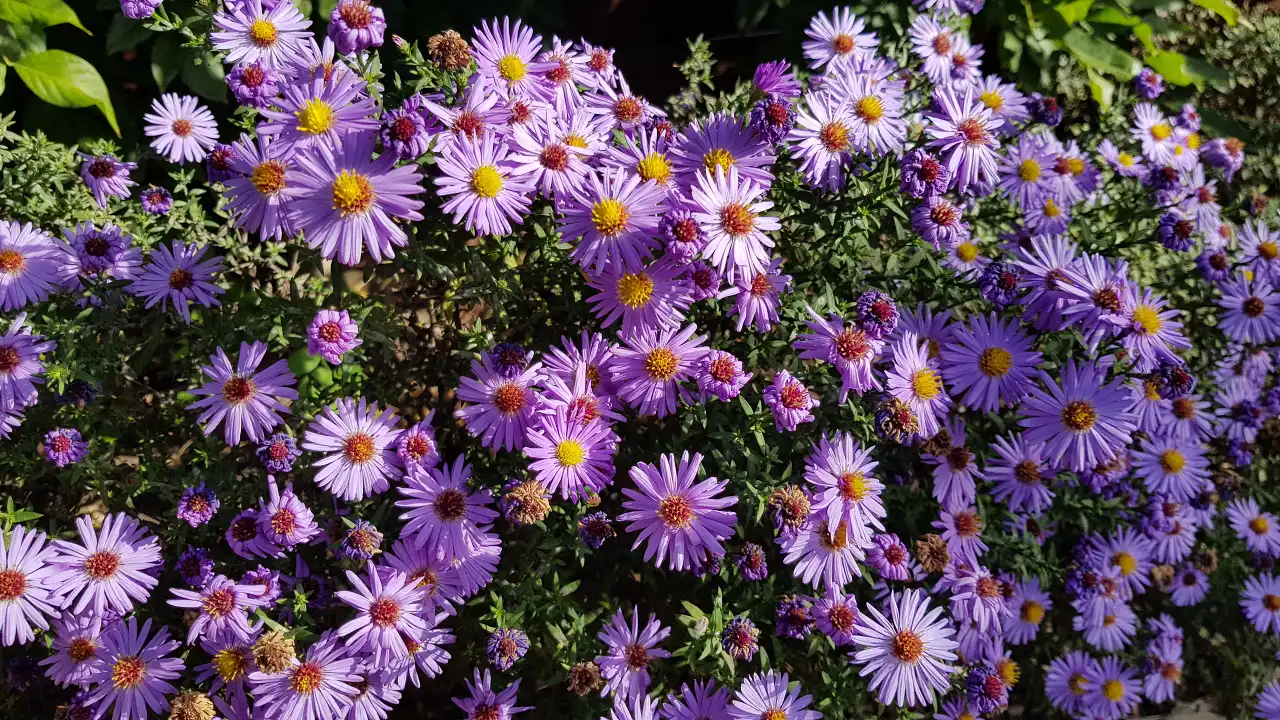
x,y
8,359
102,564
102,167
450,505
929,170
636,656
97,246
776,113
794,396
403,129
61,444
355,14
628,109
237,390
469,124
1253,307
181,279
253,76
244,529
554,157
13,584
722,369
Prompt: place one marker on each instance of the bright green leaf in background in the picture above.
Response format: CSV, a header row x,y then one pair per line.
x,y
1101,55
1102,89
39,12
1224,9
1074,11
65,80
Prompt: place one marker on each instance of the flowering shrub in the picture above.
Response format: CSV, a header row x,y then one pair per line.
x,y
865,390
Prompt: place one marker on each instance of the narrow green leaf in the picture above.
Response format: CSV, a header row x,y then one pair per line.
x,y
4,72
65,80
1101,55
1224,9
1074,11
26,516
1171,65
1102,89
1114,16
39,12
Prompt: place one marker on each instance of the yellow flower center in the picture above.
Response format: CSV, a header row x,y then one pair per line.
x,y
1146,317
1268,250
655,167
1150,390
511,68
967,252
1172,460
231,664
635,289
268,177
1113,690
995,362
1029,170
486,182
870,109
1126,562
263,32
1193,141
352,193
1125,159
570,453
1079,416
1161,131
575,140
316,117
925,384
852,486
1032,612
992,100
609,216
834,137
1051,208
1259,525
718,158
661,364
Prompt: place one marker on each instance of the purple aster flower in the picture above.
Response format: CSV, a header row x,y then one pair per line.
x,y
255,192
254,84
1251,311
752,562
195,566
440,512
932,41
344,202
938,222
1176,469
704,279
770,694
740,638
179,275
283,520
985,690
248,399
1122,162
356,25
594,529
962,531
720,374
966,65
105,176
1226,154
405,131
615,216
790,401
360,542
131,671
1004,101
571,456
416,445
246,540
876,113
217,165
914,380
139,9
675,517
889,557
718,143
776,78
1268,704
848,348
1112,690
652,296
1260,250
506,57
652,363
822,139
278,453
29,266
545,154
1046,110
63,447
1149,85
703,701
321,113
1260,530
731,213
758,297
1214,265
183,130
990,362
844,491
197,505
1028,604
617,108
906,651
1066,681
1082,422
684,237
1000,284
593,357
976,597
1176,230
792,617
1164,671
332,334
961,130
77,639
923,175
835,615
1240,453
27,594
260,31
156,200
876,314
109,568
772,118
1155,132
20,366
1025,172
1021,474
486,703
388,606
324,678
838,40
222,610
824,557
1260,601
503,407
631,647
95,254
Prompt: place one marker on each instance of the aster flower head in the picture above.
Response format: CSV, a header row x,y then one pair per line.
x,y
221,608
64,446
939,222
631,647
923,175
321,112
1113,690
677,518
822,139
283,519
242,398
915,380
1226,154
387,605
106,177
876,314
156,200
486,702
332,334
1029,605
962,131
324,678
824,557
740,638
849,348
197,505
720,142
356,25
790,401
757,297
1259,529
985,691
278,453
357,442
594,529
570,456
844,490
649,367
720,374
1002,356
93,254
502,407
1083,421
416,445
771,695
194,566
179,275
107,568
254,84
837,41
618,108
260,31
29,265
793,617
441,512
615,216
131,670
255,190
1046,109
772,118
27,595
731,211
1251,311
181,128
247,540
905,649
650,296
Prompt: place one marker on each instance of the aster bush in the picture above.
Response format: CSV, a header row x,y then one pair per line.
x,y
454,378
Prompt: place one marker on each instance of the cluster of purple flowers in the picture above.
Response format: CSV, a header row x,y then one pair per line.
x,y
660,218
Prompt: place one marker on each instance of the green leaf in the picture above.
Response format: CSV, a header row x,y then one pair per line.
x,y
1074,11
166,59
39,12
26,516
205,77
65,80
1102,89
1114,16
1171,65
4,72
302,362
1219,125
1224,9
125,34
1101,55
